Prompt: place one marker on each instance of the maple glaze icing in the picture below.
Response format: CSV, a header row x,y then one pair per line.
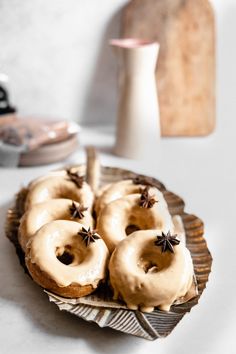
x,y
116,190
121,213
56,173
179,228
42,213
51,240
58,186
144,277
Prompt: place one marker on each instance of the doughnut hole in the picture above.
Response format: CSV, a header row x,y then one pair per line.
x,y
131,228
70,256
153,261
66,258
137,221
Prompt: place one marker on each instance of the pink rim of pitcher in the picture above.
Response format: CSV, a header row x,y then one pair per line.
x,y
131,43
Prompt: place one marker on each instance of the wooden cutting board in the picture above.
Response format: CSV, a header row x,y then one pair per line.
x,y
186,65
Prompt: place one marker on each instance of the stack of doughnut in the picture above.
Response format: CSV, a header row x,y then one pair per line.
x,y
124,235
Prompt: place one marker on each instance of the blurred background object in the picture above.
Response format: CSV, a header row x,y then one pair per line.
x,y
5,106
186,67
138,125
31,140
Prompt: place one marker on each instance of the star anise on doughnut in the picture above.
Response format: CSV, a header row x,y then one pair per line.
x,y
75,178
88,235
147,200
142,180
77,211
167,241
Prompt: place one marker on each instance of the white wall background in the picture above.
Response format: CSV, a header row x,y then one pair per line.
x,y
60,64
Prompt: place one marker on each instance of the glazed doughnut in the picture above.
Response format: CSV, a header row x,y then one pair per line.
x,y
121,214
179,228
66,259
117,190
56,173
54,209
66,186
145,275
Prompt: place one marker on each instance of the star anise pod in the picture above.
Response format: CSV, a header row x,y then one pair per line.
x,y
75,178
147,200
142,180
77,211
167,241
88,235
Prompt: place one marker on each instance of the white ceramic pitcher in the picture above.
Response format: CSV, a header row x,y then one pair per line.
x,y
138,123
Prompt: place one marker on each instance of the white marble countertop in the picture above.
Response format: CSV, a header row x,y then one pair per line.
x,y
203,172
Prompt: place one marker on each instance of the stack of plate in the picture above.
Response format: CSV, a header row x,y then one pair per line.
x,y
50,153
34,141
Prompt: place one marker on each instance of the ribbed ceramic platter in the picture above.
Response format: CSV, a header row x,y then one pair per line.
x,y
99,307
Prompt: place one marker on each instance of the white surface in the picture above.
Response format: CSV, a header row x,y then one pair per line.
x,y
203,172
57,55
